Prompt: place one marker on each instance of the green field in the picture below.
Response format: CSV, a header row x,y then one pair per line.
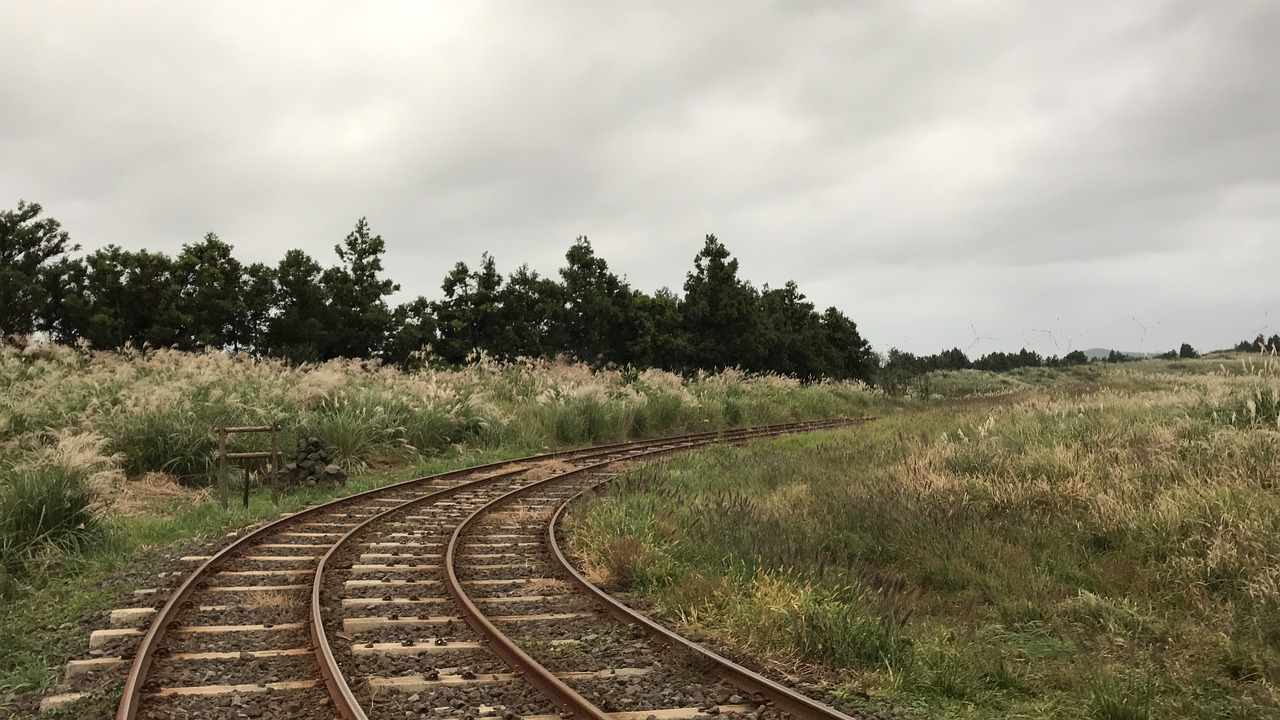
x,y
1098,542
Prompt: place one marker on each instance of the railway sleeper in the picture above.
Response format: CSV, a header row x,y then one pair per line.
x,y
458,676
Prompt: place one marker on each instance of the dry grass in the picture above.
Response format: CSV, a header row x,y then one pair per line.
x,y
274,600
545,585
157,410
523,513
155,493
548,468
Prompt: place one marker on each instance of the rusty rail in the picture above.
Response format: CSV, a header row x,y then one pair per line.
x,y
131,695
132,692
565,697
340,692
784,698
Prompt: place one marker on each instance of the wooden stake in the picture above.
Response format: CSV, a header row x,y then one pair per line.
x,y
222,466
275,465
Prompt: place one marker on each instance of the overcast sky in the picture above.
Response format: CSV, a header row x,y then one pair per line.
x,y
988,175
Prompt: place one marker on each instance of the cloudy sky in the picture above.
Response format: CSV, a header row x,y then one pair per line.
x,y
988,175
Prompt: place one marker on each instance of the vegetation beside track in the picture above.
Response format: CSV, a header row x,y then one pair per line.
x,y
1104,542
106,456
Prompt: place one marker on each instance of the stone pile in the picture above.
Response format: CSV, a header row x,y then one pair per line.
x,y
311,464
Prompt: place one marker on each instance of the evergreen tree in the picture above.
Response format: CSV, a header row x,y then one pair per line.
x,y
469,316
657,331
720,312
849,356
953,359
259,295
134,298
357,296
1076,357
792,338
94,300
1029,358
297,310
531,316
595,307
211,292
33,264
453,315
414,330
486,312
299,326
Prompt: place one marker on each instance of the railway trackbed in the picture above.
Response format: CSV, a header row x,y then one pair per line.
x,y
447,596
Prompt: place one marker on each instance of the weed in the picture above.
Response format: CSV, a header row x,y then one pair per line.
x,y
1118,698
622,560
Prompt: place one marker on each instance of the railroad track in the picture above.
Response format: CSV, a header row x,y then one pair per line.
x,y
444,596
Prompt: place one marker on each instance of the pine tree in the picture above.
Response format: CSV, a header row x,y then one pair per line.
x,y
33,264
595,307
720,312
532,316
357,296
211,292
299,326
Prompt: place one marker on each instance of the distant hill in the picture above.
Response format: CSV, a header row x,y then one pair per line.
x,y
1102,353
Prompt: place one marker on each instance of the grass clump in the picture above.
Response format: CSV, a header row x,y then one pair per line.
x,y
51,505
45,506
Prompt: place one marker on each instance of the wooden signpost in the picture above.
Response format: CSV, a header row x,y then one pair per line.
x,y
248,460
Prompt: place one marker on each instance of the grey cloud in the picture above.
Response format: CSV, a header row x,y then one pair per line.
x,y
921,167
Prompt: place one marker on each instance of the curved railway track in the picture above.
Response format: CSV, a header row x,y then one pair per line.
x,y
443,596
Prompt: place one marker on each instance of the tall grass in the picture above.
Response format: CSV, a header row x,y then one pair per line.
x,y
45,506
51,503
158,410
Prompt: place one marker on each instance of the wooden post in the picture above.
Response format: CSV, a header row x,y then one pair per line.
x,y
246,484
222,465
275,465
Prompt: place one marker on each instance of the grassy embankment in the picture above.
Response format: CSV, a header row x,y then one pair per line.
x,y
1100,542
103,455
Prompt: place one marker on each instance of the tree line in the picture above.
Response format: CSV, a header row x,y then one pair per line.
x,y
1262,343
204,297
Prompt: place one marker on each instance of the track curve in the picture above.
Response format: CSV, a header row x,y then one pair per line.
x,y
339,523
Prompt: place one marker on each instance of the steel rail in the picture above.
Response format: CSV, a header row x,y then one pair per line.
x,y
131,694
533,672
784,698
340,692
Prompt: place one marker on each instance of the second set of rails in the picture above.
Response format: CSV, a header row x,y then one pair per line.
x,y
447,596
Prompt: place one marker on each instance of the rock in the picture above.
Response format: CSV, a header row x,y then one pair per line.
x,y
312,465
